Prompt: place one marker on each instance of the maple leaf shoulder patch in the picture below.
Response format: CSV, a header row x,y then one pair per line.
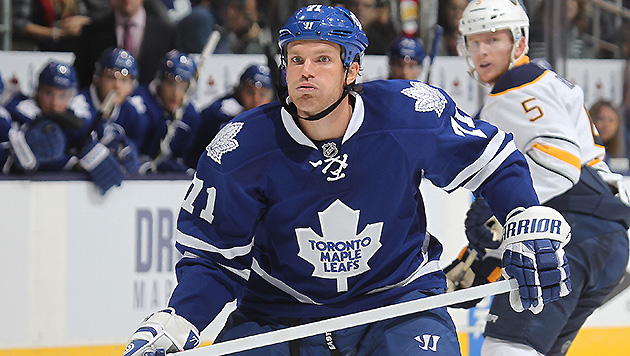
x,y
427,98
224,141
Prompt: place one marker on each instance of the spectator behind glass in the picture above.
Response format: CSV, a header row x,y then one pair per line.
x,y
374,16
405,58
578,44
381,32
605,116
449,14
47,25
237,21
148,39
255,88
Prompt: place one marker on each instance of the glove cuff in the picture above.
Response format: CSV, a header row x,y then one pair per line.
x,y
22,151
535,222
94,157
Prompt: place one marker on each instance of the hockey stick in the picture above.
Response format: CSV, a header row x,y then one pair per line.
x,y
104,110
165,144
434,48
351,320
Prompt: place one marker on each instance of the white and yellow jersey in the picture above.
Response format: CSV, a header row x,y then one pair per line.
x,y
546,114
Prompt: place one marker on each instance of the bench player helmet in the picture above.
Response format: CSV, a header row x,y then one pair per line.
x,y
119,60
408,49
179,66
490,16
326,23
59,75
257,75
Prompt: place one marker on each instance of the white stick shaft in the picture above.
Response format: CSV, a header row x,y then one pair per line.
x,y
350,320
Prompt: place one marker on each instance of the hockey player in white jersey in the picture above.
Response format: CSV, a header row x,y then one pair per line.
x,y
551,127
309,208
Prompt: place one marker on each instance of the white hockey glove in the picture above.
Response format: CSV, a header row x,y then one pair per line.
x,y
533,244
162,332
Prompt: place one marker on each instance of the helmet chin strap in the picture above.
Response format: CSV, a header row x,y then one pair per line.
x,y
292,109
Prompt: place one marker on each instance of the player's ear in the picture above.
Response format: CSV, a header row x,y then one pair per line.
x,y
353,72
520,48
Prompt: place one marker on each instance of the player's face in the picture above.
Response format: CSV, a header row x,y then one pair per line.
x,y
114,80
53,100
315,75
251,96
172,93
491,53
607,123
400,68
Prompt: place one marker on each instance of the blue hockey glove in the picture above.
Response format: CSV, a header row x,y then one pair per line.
x,y
101,166
38,142
479,224
123,147
534,240
162,332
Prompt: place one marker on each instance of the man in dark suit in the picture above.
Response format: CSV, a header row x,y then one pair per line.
x,y
130,27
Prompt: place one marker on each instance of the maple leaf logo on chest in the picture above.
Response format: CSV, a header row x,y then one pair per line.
x,y
341,252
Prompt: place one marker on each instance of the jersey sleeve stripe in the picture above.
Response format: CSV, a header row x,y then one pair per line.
x,y
539,163
281,285
487,171
559,154
243,273
491,150
229,253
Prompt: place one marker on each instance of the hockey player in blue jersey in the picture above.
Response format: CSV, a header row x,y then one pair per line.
x,y
115,71
43,126
406,55
122,128
309,208
173,120
552,129
254,88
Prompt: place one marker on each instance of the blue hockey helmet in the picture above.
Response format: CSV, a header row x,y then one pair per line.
x,y
58,74
119,60
257,75
408,49
177,65
325,23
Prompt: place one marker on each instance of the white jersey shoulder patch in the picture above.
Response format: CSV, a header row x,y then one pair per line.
x,y
427,97
224,141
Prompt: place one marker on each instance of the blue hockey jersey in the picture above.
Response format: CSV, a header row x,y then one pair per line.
x,y
297,228
130,115
212,120
158,126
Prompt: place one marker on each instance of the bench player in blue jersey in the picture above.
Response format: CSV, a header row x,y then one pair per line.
x,y
552,129
173,119
308,208
405,55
